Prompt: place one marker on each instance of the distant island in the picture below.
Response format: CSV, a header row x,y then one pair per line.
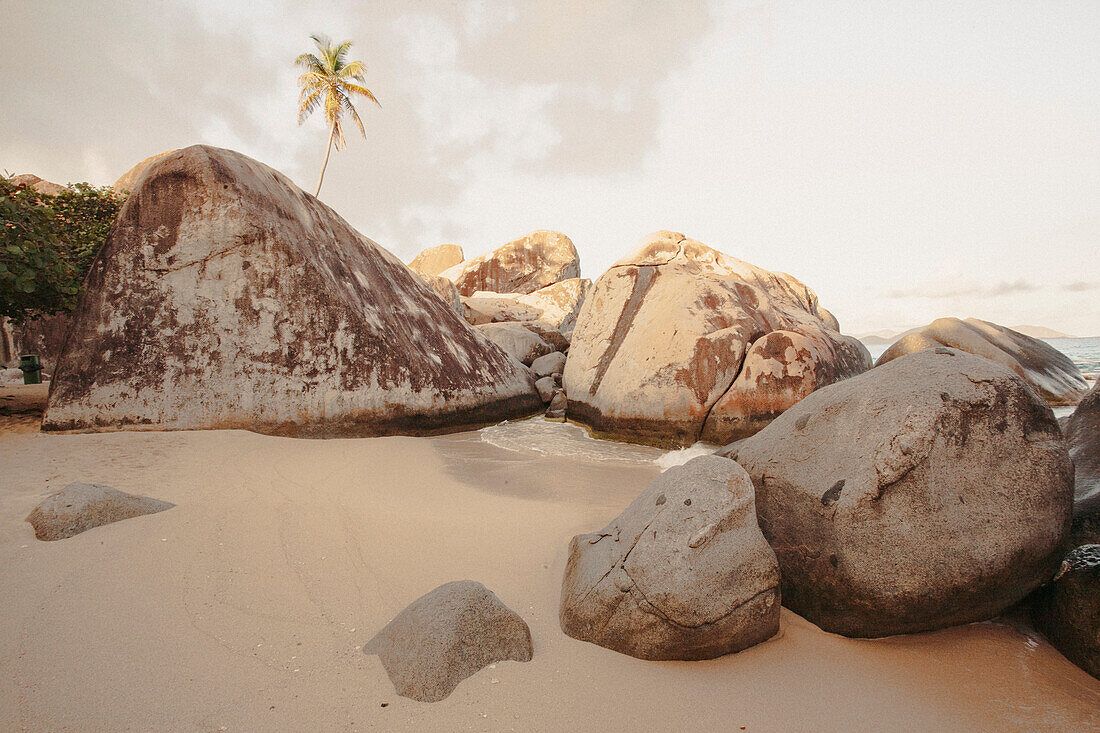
x,y
878,338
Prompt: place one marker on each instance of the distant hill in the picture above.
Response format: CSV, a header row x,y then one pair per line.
x,y
1041,332
877,338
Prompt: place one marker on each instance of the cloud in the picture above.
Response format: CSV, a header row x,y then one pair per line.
x,y
1080,286
957,289
1017,286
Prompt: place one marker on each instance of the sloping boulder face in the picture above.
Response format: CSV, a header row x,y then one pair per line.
x,y
447,635
79,507
484,307
128,181
446,290
522,266
1068,610
225,297
435,260
1050,372
933,491
663,335
1082,432
682,573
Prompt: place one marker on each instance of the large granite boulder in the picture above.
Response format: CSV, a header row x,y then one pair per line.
x,y
678,341
41,185
557,304
447,635
1082,432
483,307
225,297
933,491
1047,370
522,344
682,573
435,260
129,180
522,266
560,304
79,507
1068,610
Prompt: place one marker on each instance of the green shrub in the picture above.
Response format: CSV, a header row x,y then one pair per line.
x,y
47,244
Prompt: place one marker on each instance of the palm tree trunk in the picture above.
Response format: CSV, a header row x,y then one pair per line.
x,y
331,136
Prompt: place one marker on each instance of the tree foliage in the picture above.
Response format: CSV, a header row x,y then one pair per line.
x,y
47,244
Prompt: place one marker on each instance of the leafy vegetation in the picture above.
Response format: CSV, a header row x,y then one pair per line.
x,y
330,80
47,244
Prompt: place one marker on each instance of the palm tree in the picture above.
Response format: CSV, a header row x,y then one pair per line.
x,y
329,79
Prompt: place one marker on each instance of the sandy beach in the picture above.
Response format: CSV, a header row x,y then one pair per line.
x,y
245,606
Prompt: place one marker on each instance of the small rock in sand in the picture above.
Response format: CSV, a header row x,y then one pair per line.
x,y
447,635
80,507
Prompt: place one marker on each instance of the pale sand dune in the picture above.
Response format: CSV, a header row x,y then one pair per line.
x,y
244,606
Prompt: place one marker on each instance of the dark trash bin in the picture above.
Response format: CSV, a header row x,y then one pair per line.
x,y
31,368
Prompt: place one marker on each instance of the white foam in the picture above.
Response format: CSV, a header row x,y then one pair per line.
x,y
546,438
681,456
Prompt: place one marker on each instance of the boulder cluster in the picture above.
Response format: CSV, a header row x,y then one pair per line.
x,y
934,489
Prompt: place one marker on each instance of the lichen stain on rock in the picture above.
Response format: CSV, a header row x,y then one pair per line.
x,y
226,296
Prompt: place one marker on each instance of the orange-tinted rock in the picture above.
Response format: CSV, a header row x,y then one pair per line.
x,y
663,336
522,266
435,260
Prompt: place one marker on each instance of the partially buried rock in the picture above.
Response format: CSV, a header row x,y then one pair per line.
x,y
1050,372
933,491
683,573
79,507
447,635
1082,431
1068,610
226,297
522,266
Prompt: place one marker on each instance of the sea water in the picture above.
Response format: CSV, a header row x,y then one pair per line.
x,y
543,437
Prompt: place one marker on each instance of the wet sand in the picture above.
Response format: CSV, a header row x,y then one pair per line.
x,y
244,607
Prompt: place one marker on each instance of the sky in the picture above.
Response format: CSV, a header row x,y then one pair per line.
x,y
906,160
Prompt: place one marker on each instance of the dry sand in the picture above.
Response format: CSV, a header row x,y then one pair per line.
x,y
244,607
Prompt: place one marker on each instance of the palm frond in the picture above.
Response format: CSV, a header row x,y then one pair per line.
x,y
355,70
350,109
308,101
309,61
350,88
